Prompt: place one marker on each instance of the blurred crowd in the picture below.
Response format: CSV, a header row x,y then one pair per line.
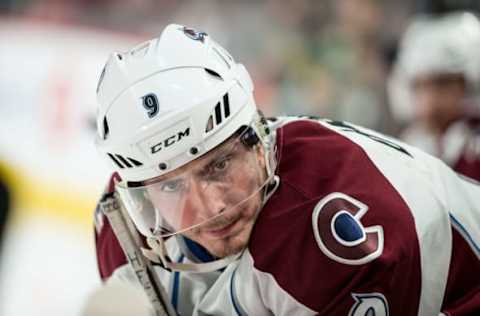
x,y
331,58
325,58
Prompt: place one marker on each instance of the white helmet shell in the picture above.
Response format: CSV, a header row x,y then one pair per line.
x,y
168,101
447,44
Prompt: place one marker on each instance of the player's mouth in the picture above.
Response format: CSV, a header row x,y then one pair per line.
x,y
222,230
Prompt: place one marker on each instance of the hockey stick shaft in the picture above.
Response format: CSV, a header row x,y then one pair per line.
x,y
128,238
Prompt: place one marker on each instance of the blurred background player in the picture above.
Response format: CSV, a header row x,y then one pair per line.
x,y
435,88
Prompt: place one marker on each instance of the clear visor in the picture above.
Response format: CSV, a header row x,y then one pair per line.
x,y
209,190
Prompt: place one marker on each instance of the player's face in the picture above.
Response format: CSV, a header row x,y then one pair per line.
x,y
219,196
439,99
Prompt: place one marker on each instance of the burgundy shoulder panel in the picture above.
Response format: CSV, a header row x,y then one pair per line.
x,y
315,161
109,253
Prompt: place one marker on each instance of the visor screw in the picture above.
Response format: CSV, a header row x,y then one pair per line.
x,y
194,150
162,166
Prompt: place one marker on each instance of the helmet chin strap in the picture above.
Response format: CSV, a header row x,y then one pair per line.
x,y
158,254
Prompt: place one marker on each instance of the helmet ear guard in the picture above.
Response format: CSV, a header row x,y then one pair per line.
x,y
250,138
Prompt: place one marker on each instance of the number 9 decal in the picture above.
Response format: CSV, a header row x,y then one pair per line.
x,y
150,103
340,234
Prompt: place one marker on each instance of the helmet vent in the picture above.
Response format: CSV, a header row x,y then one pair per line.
x,y
222,111
136,163
100,80
213,73
106,130
218,114
209,124
122,162
226,105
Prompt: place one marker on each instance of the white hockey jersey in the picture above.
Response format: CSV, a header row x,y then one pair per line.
x,y
361,224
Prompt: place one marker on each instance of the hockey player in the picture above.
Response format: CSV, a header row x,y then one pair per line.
x,y
438,74
286,216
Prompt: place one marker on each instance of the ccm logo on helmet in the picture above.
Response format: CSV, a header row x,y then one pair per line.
x,y
169,141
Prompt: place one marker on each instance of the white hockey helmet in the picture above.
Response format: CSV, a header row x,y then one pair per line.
x,y
168,101
447,44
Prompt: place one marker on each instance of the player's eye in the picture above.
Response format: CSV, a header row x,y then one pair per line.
x,y
172,185
221,165
217,169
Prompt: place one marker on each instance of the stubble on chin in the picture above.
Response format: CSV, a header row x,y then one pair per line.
x,y
227,246
230,245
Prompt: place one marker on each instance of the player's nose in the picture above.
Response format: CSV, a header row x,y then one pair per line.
x,y
209,199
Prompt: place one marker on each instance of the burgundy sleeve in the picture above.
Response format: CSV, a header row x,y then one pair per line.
x,y
462,295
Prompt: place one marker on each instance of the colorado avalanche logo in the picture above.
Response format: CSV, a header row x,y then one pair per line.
x,y
340,234
197,36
